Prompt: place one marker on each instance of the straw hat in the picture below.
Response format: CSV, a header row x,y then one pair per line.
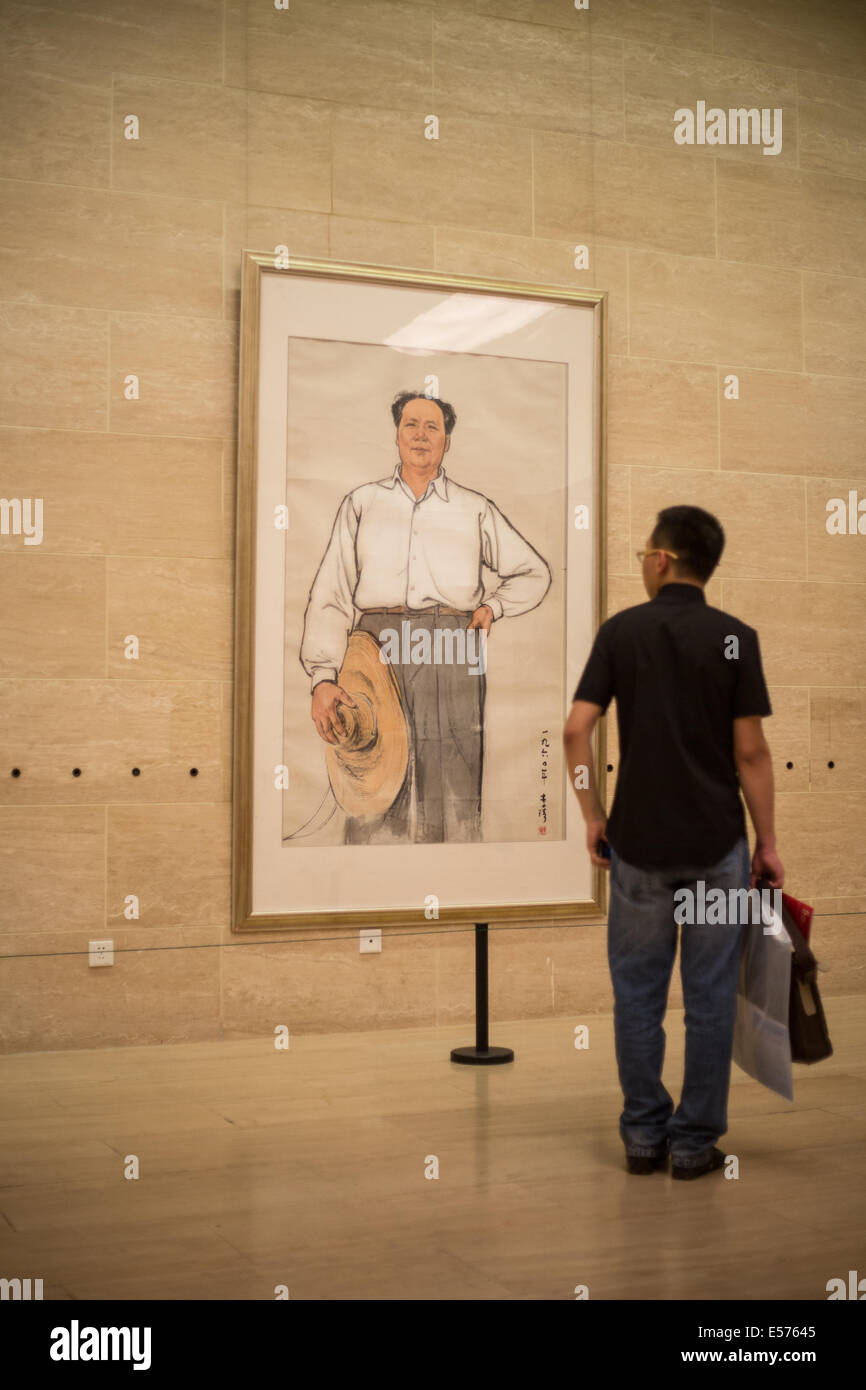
x,y
367,766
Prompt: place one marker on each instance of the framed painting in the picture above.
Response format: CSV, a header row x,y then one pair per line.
x,y
420,574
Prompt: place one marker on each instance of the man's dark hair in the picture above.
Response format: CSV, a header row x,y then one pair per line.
x,y
694,535
402,398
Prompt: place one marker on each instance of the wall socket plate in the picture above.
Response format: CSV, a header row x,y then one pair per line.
x,y
371,939
101,952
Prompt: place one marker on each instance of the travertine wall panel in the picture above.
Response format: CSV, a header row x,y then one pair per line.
x,y
120,263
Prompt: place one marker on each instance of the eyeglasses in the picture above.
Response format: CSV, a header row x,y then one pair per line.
x,y
641,554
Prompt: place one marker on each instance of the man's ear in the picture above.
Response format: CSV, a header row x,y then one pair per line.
x,y
447,444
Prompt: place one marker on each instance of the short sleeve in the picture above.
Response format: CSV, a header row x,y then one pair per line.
x,y
596,683
751,696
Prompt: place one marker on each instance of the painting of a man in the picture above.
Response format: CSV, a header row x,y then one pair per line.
x,y
406,557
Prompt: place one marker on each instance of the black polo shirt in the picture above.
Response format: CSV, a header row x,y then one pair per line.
x,y
677,798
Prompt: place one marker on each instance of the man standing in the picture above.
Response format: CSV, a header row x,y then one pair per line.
x,y
406,553
690,693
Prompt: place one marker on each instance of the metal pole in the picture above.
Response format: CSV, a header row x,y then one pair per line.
x,y
481,1054
481,988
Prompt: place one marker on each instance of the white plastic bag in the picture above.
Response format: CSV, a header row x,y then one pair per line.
x,y
762,1043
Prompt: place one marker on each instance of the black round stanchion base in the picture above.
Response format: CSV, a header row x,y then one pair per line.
x,y
482,1056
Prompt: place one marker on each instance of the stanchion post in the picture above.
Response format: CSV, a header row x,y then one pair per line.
x,y
482,1054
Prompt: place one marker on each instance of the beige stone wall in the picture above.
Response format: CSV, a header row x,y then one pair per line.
x,y
306,127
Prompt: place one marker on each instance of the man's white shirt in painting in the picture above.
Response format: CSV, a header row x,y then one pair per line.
x,y
389,548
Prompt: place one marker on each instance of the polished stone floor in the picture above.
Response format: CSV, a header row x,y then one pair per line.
x,y
314,1168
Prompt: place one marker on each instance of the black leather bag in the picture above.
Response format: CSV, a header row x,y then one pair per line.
x,y
807,1026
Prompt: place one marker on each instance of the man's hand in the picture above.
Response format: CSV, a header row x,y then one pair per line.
x,y
326,697
767,864
594,832
482,617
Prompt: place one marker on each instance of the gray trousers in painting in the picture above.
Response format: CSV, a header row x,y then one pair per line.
x,y
444,705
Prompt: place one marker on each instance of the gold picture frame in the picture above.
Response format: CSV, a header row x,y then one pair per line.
x,y
258,281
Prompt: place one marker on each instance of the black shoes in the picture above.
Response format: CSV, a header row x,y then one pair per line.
x,y
638,1164
715,1160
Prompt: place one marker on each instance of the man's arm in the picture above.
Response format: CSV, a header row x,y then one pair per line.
x,y
524,576
755,771
328,620
331,609
577,740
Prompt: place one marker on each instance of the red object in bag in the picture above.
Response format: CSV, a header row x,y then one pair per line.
x,y
802,913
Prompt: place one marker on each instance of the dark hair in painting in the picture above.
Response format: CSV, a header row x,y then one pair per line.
x,y
402,398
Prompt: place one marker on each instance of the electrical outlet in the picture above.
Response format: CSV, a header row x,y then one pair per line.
x,y
371,939
101,953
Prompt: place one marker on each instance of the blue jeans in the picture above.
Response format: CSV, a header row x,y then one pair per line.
x,y
641,946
